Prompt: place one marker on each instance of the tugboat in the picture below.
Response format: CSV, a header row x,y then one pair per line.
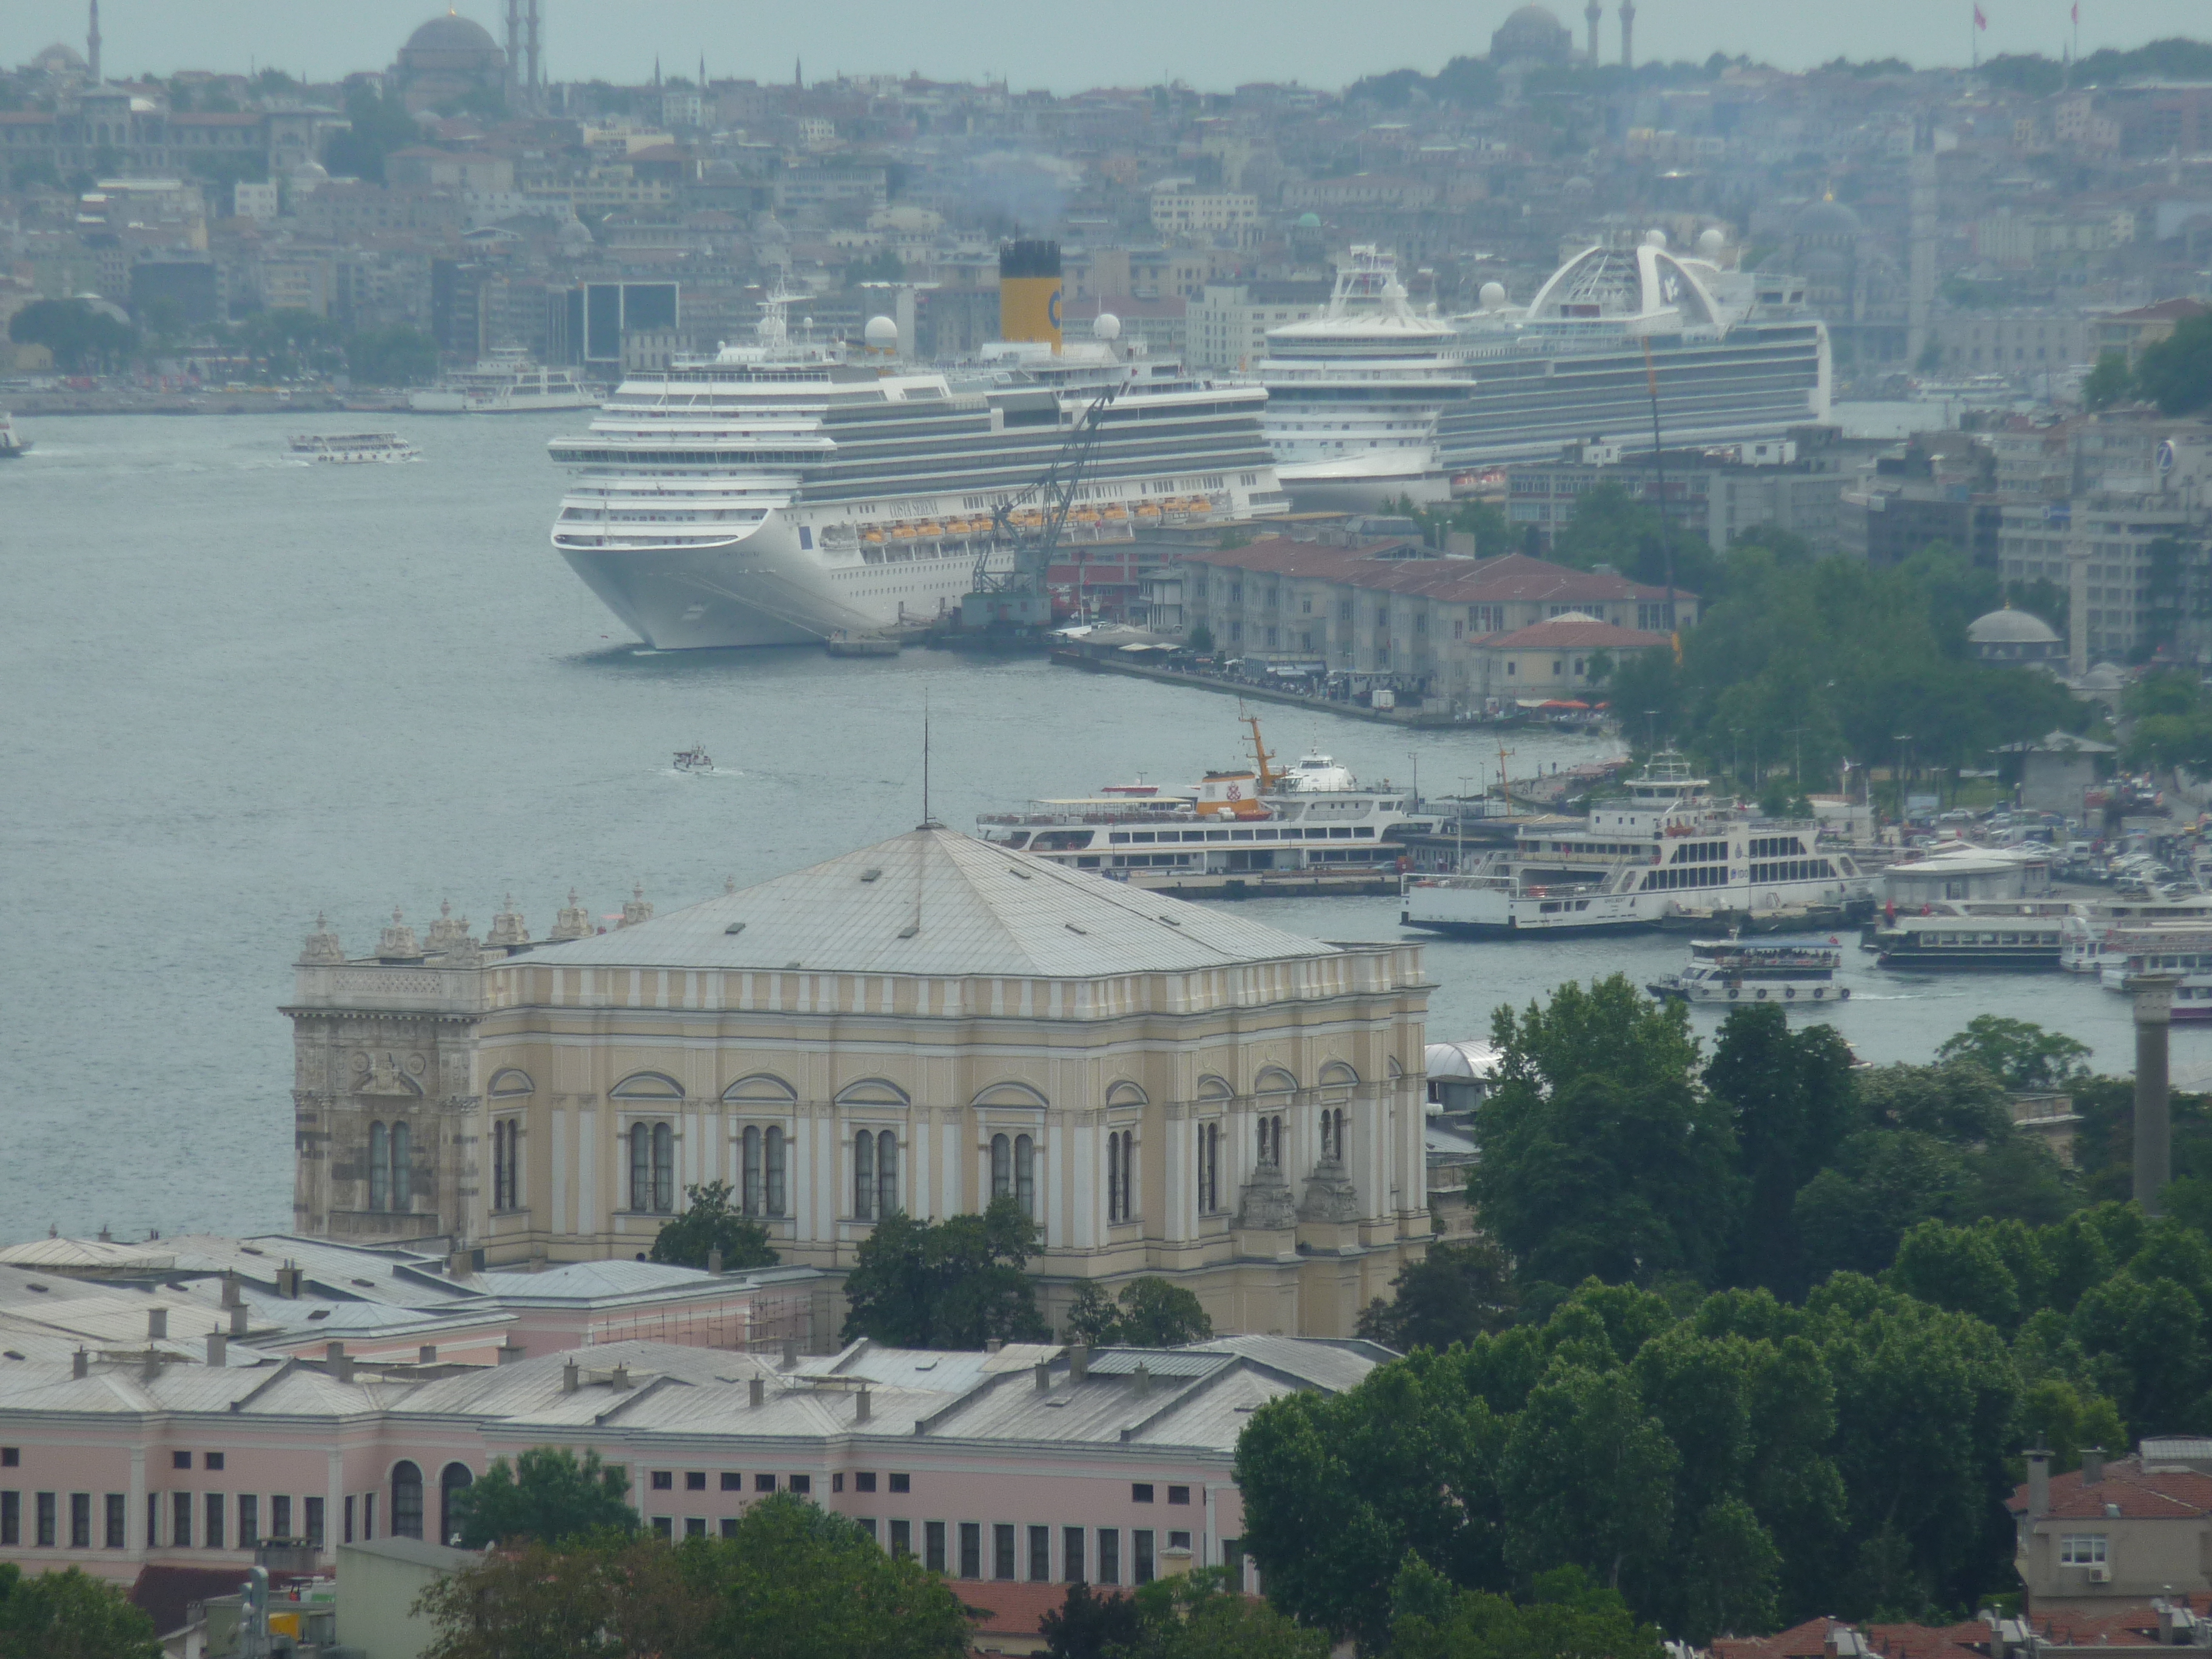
x,y
12,444
1728,971
694,759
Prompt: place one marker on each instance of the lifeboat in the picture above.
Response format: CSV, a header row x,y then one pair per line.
x,y
1148,509
1116,514
902,532
872,533
1085,515
928,527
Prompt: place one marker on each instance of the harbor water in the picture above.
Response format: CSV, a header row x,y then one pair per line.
x,y
242,690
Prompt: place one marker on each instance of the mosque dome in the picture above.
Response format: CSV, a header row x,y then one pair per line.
x,y
1531,32
2010,627
1825,218
1309,221
451,33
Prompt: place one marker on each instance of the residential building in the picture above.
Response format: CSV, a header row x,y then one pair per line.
x,y
2116,1530
1180,209
1563,659
1226,327
2128,332
1794,484
2027,340
963,1023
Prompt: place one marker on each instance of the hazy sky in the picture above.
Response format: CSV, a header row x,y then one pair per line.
x,y
1035,43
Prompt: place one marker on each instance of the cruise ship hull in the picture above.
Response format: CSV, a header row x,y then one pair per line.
x,y
1363,483
764,588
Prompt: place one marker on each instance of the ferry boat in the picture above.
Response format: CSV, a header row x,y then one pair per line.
x,y
776,492
1354,395
1974,934
1730,971
503,382
12,443
2186,951
2086,943
353,448
1663,843
1248,822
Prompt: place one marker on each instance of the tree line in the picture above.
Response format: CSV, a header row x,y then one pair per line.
x,y
286,343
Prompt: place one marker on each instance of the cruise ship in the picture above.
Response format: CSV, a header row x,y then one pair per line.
x,y
778,492
1662,848
1355,396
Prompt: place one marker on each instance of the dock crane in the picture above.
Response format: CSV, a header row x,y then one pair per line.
x,y
1017,597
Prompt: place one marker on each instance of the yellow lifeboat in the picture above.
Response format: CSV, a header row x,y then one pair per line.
x,y
1148,509
1116,514
902,531
872,533
1085,515
929,527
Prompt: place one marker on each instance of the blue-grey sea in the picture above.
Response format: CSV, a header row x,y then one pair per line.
x,y
235,691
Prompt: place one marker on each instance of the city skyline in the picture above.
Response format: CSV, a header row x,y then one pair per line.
x,y
1152,42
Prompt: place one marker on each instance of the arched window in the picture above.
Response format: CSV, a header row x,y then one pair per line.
x,y
380,1167
887,1198
1127,1094
509,1083
778,1153
457,1477
664,1168
406,1500
863,1176
1121,1175
403,1186
1002,1166
1338,1075
647,1085
1209,1168
507,1163
641,1167
1332,1133
763,1087
1271,1139
754,1181
1025,1176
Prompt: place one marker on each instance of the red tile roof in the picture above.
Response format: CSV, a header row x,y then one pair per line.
x,y
1009,1608
2160,1495
2164,311
1807,1641
1573,633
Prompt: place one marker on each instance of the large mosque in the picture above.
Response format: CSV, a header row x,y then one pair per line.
x,y
445,60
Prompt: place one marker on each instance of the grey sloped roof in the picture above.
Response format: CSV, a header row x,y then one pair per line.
x,y
938,902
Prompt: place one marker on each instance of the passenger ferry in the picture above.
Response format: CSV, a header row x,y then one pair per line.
x,y
1313,818
504,382
1729,971
353,448
2132,950
1663,842
2085,945
1975,933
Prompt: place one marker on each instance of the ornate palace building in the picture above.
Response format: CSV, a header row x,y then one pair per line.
x,y
919,1026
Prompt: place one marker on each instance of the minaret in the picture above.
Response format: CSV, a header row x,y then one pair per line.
x,y
92,44
513,49
1594,11
1628,34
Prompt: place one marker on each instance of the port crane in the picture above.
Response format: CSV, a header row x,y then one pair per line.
x,y
1018,596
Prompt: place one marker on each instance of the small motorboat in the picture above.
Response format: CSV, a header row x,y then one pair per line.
x,y
694,759
12,443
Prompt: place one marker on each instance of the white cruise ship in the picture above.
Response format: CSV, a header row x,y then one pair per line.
x,y
503,382
1355,396
1662,848
776,493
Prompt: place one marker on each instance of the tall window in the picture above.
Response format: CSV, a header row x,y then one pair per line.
x,y
1332,1133
664,1167
406,1500
875,1174
1121,1174
1002,1166
1013,1171
641,1166
652,1168
1271,1139
1209,1168
763,1155
507,1163
380,1167
456,1477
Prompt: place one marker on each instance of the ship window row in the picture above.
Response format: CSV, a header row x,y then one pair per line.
x,y
1141,837
1702,852
1775,847
1657,881
1793,870
1936,940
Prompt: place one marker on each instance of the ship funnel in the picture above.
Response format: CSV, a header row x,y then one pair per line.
x,y
1029,292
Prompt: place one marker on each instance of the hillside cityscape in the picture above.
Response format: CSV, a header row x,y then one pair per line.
x,y
1577,1019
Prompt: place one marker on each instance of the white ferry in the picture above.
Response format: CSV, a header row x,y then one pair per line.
x,y
2186,951
1314,819
1729,971
1664,843
2085,943
1975,933
353,448
503,382
776,492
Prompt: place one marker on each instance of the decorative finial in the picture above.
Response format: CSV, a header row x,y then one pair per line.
x,y
322,949
729,884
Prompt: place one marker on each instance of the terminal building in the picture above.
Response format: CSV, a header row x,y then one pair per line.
x,y
920,1026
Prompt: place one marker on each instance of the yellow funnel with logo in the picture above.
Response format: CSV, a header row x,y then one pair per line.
x,y
1029,292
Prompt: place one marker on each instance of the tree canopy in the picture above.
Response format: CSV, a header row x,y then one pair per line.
x,y
950,1284
1151,1314
82,337
546,1494
70,1614
708,1224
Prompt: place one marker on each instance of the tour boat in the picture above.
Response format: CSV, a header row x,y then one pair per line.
x,y
353,448
1974,934
694,759
1729,971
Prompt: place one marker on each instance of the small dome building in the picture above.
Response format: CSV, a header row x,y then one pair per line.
x,y
2014,639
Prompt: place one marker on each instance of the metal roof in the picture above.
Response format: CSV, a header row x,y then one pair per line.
x,y
932,901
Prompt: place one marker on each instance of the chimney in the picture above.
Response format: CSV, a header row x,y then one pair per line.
x,y
993,1345
861,1406
2092,1465
218,1348
230,1298
756,1392
80,1363
2154,1127
714,1260
2038,1485
1044,1376
569,1377
1079,1361
459,1265
288,1282
340,1362
510,1351
238,1321
1142,1379
620,1381
791,1354
427,1354
157,1324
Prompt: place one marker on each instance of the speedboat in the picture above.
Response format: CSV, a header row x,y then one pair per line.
x,y
694,759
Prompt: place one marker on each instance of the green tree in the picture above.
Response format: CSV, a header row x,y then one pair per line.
x,y
1789,1097
81,337
2176,372
950,1284
1196,1615
1457,1292
2019,1053
1567,1618
375,128
1588,1479
1157,1314
70,1614
1201,640
1092,1318
398,355
545,1494
2110,382
1090,1625
290,343
608,1598
1734,1574
708,1224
